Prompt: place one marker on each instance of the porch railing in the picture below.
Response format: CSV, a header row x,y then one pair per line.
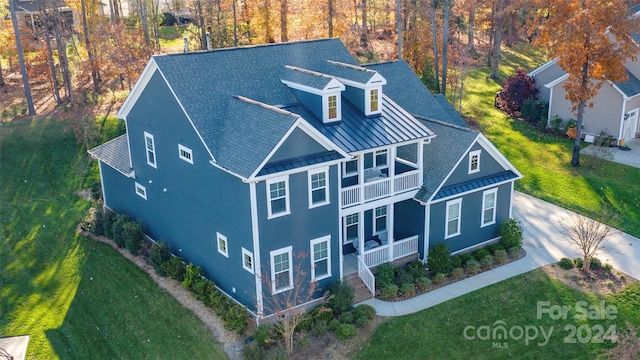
x,y
380,188
366,275
387,253
377,189
406,181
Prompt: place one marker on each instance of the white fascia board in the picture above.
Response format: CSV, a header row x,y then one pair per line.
x,y
333,86
140,85
542,67
556,81
624,96
309,130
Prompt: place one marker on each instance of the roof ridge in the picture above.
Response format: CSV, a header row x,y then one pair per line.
x,y
307,71
266,106
444,123
350,66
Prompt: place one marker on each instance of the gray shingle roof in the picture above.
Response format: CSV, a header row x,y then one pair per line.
x,y
114,153
630,87
314,80
442,154
453,117
351,72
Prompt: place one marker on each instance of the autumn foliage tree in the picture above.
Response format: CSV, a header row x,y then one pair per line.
x,y
517,88
592,40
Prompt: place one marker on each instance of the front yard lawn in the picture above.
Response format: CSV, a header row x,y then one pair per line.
x,y
457,329
76,298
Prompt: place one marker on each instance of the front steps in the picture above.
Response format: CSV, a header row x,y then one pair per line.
x,y
360,290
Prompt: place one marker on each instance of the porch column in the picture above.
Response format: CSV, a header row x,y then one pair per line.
x,y
390,238
419,162
392,169
361,234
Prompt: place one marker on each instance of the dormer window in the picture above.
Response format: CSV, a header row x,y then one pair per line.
x,y
331,108
373,98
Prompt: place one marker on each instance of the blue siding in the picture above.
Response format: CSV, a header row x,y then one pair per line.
x,y
311,102
470,231
199,200
409,221
488,166
298,144
355,96
301,226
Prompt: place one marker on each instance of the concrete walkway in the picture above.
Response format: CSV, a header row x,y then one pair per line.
x,y
544,243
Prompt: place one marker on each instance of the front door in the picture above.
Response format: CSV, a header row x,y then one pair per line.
x,y
630,125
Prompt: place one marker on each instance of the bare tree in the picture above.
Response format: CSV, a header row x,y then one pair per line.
x,y
288,307
23,68
587,234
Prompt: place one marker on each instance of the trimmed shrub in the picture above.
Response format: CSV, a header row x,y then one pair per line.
x,y
117,229
487,262
109,217
565,263
174,268
456,261
457,274
423,283
417,269
191,275
340,297
403,277
534,110
322,312
389,291
480,254
384,274
595,264
513,252
465,257
319,327
236,318
253,352
494,247
516,89
159,254
364,311
472,267
439,278
500,256
347,317
333,324
511,233
439,259
579,262
133,236
263,334
607,267
408,290
345,331
360,322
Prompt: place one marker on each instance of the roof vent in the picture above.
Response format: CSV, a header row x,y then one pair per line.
x,y
186,44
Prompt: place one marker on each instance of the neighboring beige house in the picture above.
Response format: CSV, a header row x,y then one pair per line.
x,y
615,108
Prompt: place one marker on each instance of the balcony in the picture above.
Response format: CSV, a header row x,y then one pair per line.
x,y
379,187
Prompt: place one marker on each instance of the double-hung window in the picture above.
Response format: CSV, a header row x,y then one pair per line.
x,y
281,274
278,197
150,149
351,228
452,221
381,158
223,246
489,198
474,161
247,260
380,222
333,106
373,98
318,187
320,258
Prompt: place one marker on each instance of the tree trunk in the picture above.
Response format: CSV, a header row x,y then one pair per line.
x,y
497,41
92,64
364,43
23,68
471,30
284,12
434,33
54,78
142,11
575,157
330,19
1,76
445,45
235,24
399,26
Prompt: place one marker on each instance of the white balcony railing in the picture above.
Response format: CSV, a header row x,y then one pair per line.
x,y
406,181
395,250
380,188
377,189
405,247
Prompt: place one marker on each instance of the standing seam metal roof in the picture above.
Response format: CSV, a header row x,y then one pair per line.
x,y
114,153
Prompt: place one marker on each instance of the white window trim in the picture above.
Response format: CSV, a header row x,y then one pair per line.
x,y
153,150
325,107
182,148
143,192
271,215
326,239
326,201
246,252
495,202
375,158
345,226
219,238
376,217
471,155
368,101
345,173
446,218
272,254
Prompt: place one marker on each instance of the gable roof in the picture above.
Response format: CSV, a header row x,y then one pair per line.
x,y
115,153
629,88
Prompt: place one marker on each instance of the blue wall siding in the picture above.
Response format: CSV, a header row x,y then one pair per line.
x,y
470,231
488,166
312,102
355,96
409,221
298,144
301,226
199,200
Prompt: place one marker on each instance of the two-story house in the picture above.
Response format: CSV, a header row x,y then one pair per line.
x,y
254,162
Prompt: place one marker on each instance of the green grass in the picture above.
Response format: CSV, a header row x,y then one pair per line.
x,y
171,38
439,332
75,297
544,159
